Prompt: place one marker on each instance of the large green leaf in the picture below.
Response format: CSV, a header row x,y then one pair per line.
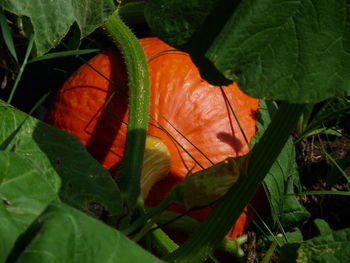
x,y
180,22
329,246
62,160
51,20
24,194
279,182
298,51
63,234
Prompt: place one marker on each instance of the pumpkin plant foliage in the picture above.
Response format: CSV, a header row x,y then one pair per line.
x,y
41,16
24,194
64,234
286,210
296,51
43,164
62,161
329,246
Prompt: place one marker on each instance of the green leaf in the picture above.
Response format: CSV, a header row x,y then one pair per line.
x,y
191,25
61,54
64,163
286,210
24,194
7,36
337,170
288,237
297,51
132,13
184,24
333,110
63,234
332,246
322,226
51,20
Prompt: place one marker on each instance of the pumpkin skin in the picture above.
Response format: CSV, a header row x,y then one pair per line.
x,y
95,111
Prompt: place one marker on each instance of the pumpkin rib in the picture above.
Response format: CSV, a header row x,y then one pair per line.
x,y
194,112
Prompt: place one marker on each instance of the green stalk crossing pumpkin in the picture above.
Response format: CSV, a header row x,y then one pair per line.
x,y
191,125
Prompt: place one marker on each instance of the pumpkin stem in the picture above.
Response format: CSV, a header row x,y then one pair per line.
x,y
138,81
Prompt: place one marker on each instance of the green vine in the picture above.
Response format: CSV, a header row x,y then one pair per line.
x,y
139,93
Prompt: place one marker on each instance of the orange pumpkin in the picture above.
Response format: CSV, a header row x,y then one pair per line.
x,y
190,116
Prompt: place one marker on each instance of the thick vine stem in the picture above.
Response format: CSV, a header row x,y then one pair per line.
x,y
139,93
154,211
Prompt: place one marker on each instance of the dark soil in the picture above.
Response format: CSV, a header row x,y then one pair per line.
x,y
315,167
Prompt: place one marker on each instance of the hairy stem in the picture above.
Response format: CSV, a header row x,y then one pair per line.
x,y
139,92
